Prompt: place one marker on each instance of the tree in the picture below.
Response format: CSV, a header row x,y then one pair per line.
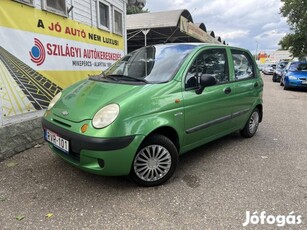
x,y
135,10
136,7
296,13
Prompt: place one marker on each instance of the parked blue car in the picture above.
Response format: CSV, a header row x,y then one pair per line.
x,y
294,75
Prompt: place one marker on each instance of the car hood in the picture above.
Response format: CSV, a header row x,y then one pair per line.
x,y
83,101
298,74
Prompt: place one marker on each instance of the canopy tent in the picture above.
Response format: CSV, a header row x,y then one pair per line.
x,y
165,27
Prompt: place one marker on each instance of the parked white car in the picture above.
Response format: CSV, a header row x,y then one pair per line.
x,y
269,68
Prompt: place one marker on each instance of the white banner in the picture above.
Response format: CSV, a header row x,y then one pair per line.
x,y
43,52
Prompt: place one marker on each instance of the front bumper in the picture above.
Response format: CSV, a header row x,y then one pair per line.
x,y
103,156
268,72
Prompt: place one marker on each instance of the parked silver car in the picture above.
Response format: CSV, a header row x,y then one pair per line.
x,y
279,71
269,68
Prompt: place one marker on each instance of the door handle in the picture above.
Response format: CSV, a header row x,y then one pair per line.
x,y
227,90
256,84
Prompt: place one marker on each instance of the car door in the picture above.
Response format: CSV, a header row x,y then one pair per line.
x,y
247,85
207,115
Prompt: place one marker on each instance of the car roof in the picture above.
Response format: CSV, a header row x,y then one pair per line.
x,y
305,62
198,44
189,43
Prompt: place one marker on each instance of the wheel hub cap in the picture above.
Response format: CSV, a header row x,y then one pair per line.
x,y
254,122
152,163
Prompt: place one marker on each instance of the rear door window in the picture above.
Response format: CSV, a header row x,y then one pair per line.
x,y
243,65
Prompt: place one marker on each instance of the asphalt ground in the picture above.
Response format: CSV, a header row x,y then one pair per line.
x,y
213,188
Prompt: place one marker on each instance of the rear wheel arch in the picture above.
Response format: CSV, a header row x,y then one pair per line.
x,y
252,123
260,109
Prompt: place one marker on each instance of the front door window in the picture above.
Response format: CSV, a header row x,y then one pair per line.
x,y
213,62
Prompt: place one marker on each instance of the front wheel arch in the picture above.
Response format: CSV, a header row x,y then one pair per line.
x,y
168,132
155,161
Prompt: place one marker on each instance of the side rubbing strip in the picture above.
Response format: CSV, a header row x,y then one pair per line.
x,y
216,121
237,114
208,124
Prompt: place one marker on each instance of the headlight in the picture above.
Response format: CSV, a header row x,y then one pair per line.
x,y
292,78
105,116
54,100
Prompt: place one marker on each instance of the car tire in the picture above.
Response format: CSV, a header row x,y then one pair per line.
x,y
281,83
251,125
155,161
285,87
274,78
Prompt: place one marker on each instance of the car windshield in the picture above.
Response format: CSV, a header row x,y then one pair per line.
x,y
152,64
298,66
282,65
270,66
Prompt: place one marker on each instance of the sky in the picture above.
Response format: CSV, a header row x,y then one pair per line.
x,y
255,25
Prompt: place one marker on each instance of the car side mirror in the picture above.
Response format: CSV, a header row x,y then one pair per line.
x,y
205,81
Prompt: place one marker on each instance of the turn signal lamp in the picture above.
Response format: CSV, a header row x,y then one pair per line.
x,y
84,128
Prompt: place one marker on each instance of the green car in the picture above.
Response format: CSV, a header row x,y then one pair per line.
x,y
151,106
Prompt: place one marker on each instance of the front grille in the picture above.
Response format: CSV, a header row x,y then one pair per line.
x,y
62,123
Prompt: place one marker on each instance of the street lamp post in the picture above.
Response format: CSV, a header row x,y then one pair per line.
x,y
256,54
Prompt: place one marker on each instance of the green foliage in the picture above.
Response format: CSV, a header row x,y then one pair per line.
x,y
135,10
296,13
296,43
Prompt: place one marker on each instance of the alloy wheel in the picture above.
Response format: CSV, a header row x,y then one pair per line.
x,y
253,122
152,163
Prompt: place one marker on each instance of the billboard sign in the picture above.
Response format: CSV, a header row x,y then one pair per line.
x,y
41,53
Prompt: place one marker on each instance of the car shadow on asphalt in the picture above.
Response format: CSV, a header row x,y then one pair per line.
x,y
300,90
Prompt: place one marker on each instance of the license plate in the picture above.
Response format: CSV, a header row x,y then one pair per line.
x,y
57,141
304,82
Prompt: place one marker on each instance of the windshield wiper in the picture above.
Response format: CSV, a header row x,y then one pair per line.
x,y
116,76
112,77
97,77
